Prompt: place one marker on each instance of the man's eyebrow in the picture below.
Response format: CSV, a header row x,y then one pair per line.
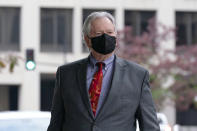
x,y
110,30
98,32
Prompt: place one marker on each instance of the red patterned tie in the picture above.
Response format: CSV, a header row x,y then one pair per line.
x,y
95,88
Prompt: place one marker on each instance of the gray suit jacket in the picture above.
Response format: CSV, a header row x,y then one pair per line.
x,y
129,98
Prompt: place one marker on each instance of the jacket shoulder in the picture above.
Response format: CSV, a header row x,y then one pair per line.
x,y
132,65
74,64
134,70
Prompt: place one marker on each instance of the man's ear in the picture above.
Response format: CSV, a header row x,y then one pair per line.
x,y
88,41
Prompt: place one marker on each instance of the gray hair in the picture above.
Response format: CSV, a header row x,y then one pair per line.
x,y
87,24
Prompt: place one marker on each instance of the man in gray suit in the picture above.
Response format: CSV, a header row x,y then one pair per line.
x,y
102,92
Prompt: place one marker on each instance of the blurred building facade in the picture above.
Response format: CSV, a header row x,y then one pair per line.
x,y
52,28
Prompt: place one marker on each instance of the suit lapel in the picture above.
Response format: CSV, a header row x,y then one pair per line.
x,y
81,75
115,86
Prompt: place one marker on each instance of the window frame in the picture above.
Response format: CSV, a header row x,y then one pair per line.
x,y
54,46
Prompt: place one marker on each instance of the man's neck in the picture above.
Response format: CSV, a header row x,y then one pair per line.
x,y
101,57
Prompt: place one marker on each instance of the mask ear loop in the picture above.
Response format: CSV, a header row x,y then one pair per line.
x,y
90,40
89,37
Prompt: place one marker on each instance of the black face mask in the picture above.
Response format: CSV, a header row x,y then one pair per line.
x,y
104,44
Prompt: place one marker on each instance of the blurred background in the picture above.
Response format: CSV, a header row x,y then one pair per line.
x,y
36,36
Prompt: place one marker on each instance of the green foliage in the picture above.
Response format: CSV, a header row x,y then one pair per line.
x,y
13,62
2,64
10,61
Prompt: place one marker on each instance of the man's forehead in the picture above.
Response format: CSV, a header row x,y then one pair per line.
x,y
101,18
102,22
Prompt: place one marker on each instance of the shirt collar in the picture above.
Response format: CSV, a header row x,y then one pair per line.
x,y
107,62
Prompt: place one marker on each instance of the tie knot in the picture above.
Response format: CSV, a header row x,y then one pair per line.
x,y
100,64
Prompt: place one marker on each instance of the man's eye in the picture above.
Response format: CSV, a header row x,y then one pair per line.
x,y
110,32
98,34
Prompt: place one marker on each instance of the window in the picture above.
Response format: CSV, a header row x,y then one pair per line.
x,y
187,117
138,20
56,30
9,29
9,97
87,12
186,23
47,85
